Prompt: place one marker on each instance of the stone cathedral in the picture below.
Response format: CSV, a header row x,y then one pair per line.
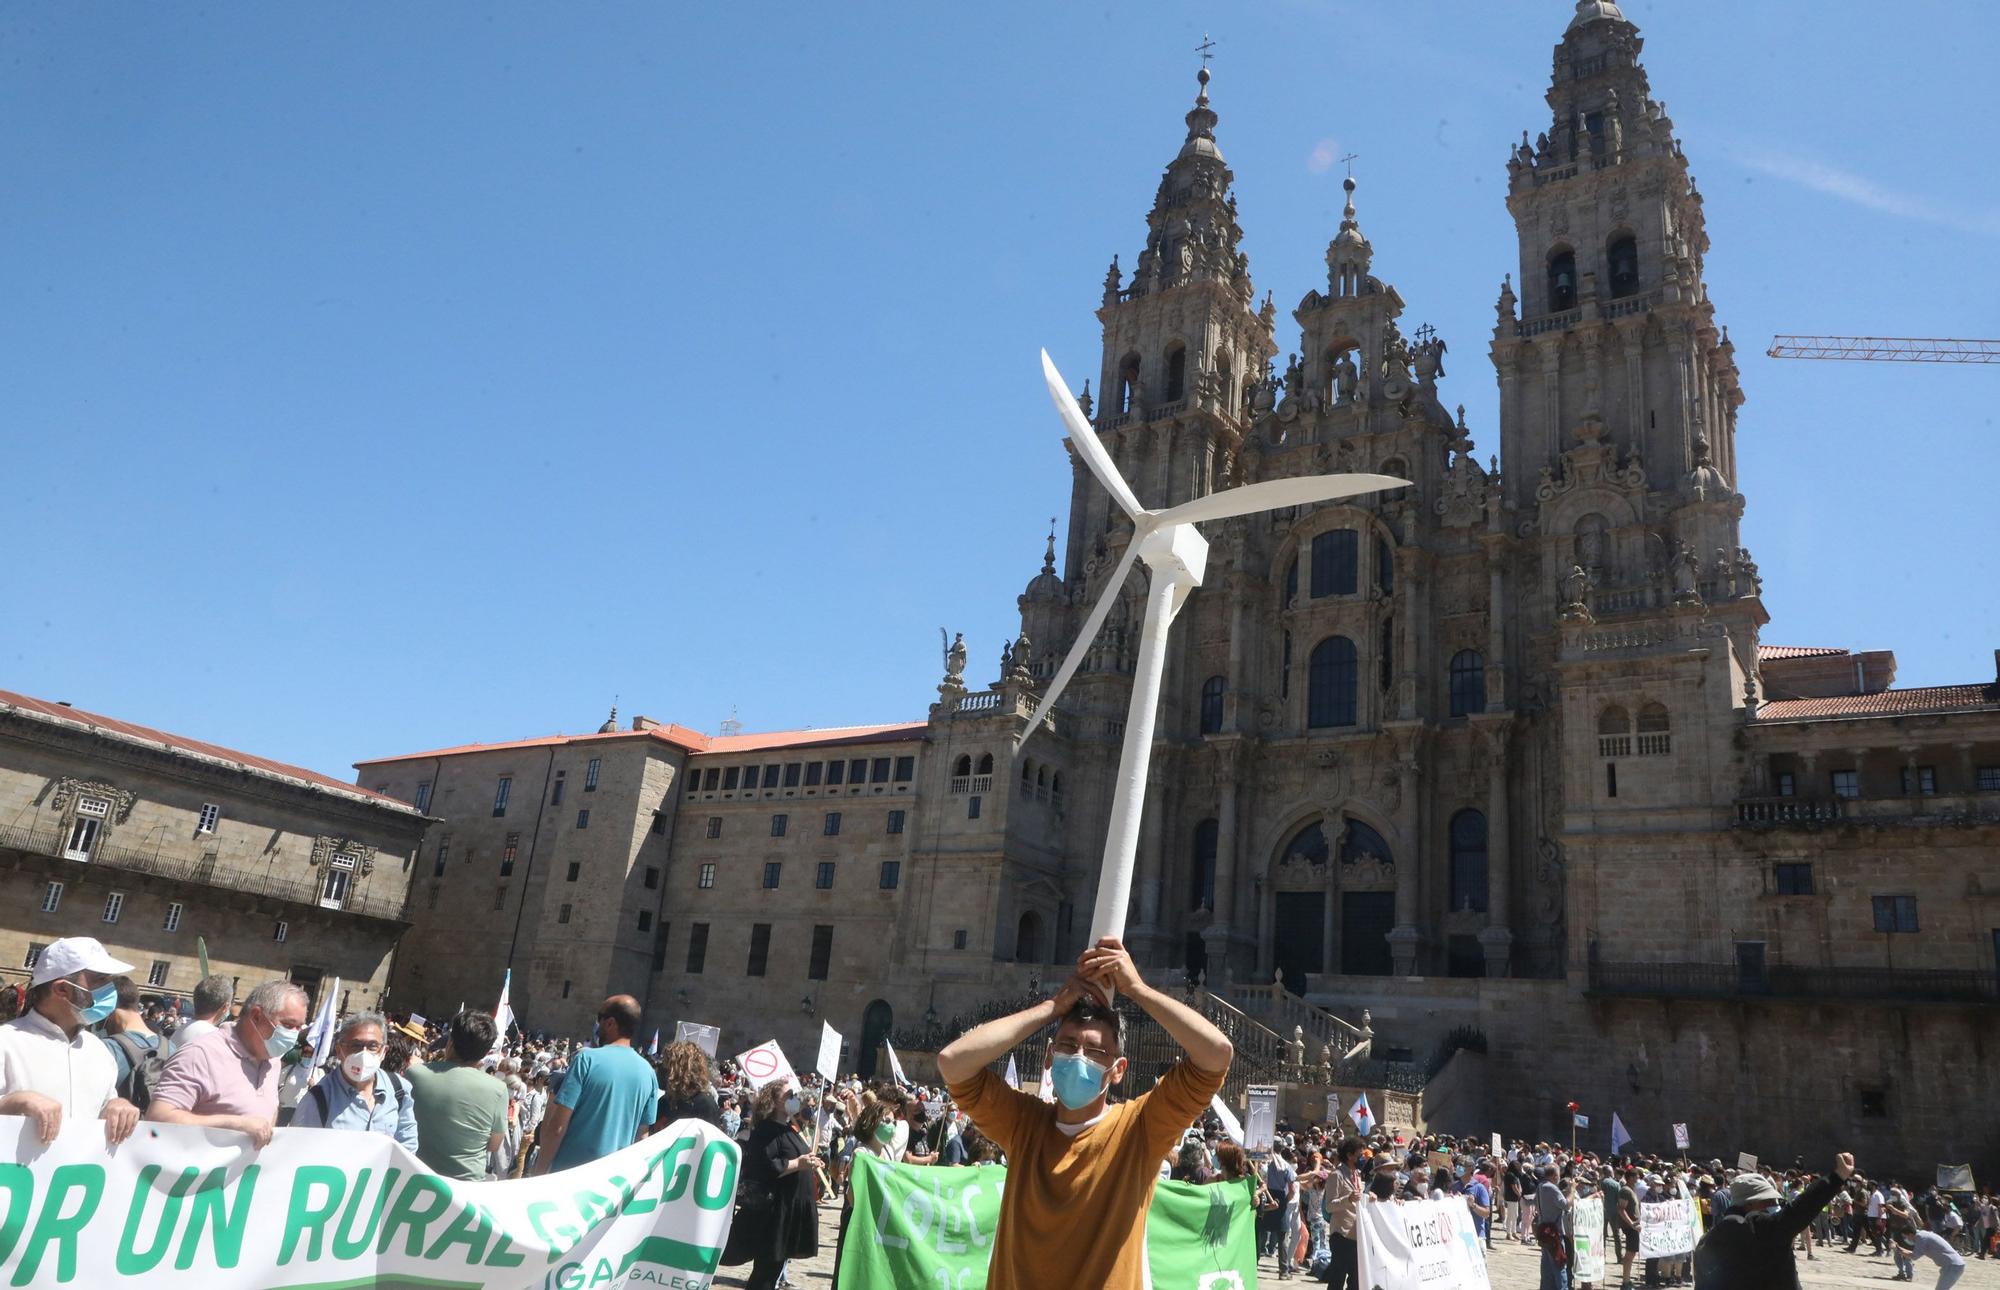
x,y
1500,751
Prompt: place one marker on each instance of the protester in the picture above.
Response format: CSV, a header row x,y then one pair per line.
x,y
1935,1247
1751,1247
608,1098
689,1086
461,1110
775,1217
1552,1230
534,1106
51,1067
1081,1173
135,1048
228,1078
212,997
363,1096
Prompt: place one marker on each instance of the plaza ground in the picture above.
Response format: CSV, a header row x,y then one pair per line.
x,y
1511,1267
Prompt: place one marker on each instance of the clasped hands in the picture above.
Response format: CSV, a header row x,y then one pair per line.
x,y
1102,970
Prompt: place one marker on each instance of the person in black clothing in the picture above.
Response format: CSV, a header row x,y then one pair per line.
x,y
1750,1248
776,1216
688,1090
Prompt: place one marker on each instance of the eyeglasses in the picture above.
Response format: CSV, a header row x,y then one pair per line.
x,y
1071,1048
365,1045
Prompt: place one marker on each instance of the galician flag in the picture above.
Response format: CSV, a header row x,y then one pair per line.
x,y
1364,1119
320,1033
503,1015
1013,1073
1620,1139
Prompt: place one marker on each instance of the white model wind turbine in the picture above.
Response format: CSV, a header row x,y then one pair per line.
x,y
1176,557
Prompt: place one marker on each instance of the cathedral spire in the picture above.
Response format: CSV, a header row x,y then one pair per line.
x,y
1349,254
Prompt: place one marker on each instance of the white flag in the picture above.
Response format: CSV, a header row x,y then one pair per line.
x,y
896,1066
320,1033
1230,1124
1047,1090
1620,1137
1364,1119
765,1063
1013,1073
503,1016
828,1063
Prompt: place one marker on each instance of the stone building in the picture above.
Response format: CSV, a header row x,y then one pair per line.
x,y
155,843
1503,750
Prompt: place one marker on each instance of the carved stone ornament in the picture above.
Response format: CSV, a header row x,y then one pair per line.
x,y
68,788
326,847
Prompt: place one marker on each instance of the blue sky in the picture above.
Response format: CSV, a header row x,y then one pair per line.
x,y
387,376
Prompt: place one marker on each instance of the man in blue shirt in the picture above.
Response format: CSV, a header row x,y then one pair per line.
x,y
609,1097
1480,1197
364,1097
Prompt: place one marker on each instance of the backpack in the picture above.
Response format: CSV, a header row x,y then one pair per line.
x,y
324,1104
143,1075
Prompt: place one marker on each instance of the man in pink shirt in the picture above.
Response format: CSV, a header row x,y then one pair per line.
x,y
228,1078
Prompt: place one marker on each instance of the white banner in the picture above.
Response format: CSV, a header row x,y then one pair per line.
x,y
1588,1219
1420,1245
1260,1119
764,1063
702,1037
828,1063
1667,1229
200,1209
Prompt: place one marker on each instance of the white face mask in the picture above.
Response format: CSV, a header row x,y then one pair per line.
x,y
361,1066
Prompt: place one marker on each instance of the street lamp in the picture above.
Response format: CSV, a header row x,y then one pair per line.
x,y
806,1005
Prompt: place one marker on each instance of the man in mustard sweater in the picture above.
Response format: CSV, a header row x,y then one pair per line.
x,y
1080,1174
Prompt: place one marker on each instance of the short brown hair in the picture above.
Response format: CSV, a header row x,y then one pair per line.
x,y
1087,1011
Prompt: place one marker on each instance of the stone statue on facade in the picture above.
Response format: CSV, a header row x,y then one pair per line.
x,y
1346,379
1685,572
1575,593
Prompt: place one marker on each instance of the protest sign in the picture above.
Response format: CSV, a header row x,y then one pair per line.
x,y
200,1209
1954,1178
1681,1138
933,1226
1744,1160
765,1063
1333,1108
1668,1228
1588,1240
1498,1150
828,1062
702,1037
1260,1119
1420,1245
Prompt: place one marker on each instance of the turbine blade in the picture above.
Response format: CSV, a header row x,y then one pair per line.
x,y
1087,445
1084,638
1275,493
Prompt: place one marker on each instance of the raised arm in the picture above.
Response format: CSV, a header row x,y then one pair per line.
x,y
1110,963
983,1045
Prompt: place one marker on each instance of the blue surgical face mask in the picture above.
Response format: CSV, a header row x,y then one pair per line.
x,y
732,1120
103,1002
1078,1080
792,1105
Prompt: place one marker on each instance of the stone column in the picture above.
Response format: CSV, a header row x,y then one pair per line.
x,y
1405,938
1217,934
1497,940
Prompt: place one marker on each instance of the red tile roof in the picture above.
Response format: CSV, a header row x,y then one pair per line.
x,y
692,740
1887,703
44,710
1795,651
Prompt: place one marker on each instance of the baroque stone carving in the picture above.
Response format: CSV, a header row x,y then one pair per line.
x,y
326,847
69,787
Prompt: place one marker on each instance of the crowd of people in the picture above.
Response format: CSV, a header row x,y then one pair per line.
x,y
474,1104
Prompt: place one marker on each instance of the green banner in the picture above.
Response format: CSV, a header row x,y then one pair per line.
x,y
929,1226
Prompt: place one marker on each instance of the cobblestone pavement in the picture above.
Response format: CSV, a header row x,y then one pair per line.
x,y
1511,1267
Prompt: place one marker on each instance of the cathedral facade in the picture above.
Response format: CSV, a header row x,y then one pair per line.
x,y
1502,750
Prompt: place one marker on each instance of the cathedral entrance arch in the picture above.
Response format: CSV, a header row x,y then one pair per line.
x,y
1333,902
876,1021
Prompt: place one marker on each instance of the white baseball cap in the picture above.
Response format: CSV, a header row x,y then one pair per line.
x,y
73,954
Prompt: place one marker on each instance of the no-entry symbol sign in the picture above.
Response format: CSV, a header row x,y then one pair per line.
x,y
764,1063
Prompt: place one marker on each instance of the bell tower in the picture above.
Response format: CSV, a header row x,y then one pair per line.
x,y
1615,328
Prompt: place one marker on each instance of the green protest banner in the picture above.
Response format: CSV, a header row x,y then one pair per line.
x,y
321,1209
930,1226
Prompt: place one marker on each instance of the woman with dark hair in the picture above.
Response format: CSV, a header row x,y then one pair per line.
x,y
776,1218
689,1089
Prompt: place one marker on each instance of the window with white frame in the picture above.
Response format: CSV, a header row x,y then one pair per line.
x,y
114,905
51,897
173,923
33,956
158,974
86,828
281,931
210,813
339,880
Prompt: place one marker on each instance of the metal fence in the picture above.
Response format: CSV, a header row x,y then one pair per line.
x,y
1733,981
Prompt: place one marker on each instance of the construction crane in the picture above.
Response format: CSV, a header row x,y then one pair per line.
x,y
1886,349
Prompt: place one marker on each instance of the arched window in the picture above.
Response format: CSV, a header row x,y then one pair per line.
x,y
1128,384
1386,657
1330,684
1655,723
1176,374
1211,705
1468,862
1593,541
1334,559
1042,783
1468,683
1055,787
1027,778
1361,842
1623,260
1614,732
985,764
1385,564
1562,281
1292,583
1028,939
1201,879
963,766
1225,379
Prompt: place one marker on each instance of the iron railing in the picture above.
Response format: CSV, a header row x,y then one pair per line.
x,y
204,869
1733,981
